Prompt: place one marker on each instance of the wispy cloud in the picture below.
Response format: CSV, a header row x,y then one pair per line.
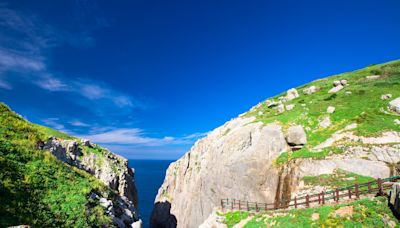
x,y
55,123
24,38
78,123
137,137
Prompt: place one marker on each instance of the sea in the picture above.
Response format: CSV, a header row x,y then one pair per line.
x,y
149,175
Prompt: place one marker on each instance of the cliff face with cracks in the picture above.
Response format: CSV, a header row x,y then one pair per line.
x,y
233,161
109,168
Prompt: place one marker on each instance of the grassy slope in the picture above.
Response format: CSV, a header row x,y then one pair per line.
x,y
36,188
363,106
367,213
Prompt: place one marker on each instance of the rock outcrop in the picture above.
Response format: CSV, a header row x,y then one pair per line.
x,y
109,168
232,161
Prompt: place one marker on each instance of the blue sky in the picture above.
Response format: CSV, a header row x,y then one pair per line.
x,y
148,78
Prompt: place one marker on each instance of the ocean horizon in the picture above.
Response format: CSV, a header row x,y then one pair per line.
x,y
149,176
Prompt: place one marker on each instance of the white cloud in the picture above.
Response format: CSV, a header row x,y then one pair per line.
x,y
54,123
5,85
136,136
77,123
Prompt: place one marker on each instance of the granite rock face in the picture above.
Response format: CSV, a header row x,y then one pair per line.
x,y
233,161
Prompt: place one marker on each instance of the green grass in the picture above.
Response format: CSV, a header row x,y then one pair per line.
x,y
339,178
285,157
36,188
367,213
233,218
363,106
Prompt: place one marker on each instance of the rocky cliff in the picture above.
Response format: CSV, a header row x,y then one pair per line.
x,y
109,168
345,123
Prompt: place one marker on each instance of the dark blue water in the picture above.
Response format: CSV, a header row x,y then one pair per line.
x,y
149,175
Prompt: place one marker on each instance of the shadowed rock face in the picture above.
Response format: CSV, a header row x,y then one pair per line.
x,y
234,161
161,216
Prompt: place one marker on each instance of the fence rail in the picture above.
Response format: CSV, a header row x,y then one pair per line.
x,y
349,192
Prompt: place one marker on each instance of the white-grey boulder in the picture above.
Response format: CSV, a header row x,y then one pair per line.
x,y
325,122
336,89
310,90
394,105
292,94
290,107
296,136
330,109
372,77
280,108
336,83
386,96
343,82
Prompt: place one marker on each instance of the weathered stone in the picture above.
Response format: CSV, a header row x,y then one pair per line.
x,y
260,113
315,216
343,82
325,122
330,109
310,90
220,166
290,107
372,77
280,108
394,105
397,121
296,136
336,89
292,94
348,92
336,83
346,211
386,96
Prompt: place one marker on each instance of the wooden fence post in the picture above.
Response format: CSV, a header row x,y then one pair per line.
x,y
239,206
337,195
307,201
256,207
380,190
323,197
248,209
266,207
349,193
233,202
369,187
357,191
319,198
295,202
222,203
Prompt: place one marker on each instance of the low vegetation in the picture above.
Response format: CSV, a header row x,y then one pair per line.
x,y
339,178
36,188
362,213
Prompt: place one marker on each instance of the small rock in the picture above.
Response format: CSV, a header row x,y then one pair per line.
x,y
343,82
137,224
270,103
296,136
310,90
326,122
336,83
391,224
348,92
292,94
330,109
282,99
345,211
105,203
315,216
372,77
394,105
397,122
336,89
290,107
86,142
280,108
260,113
386,96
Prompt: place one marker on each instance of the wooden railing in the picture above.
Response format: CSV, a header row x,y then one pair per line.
x,y
350,192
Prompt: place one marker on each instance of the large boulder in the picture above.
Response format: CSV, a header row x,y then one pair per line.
x,y
310,90
296,136
394,105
